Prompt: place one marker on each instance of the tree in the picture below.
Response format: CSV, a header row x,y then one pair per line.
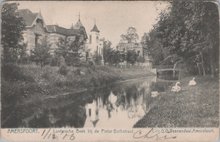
x,y
97,58
116,57
12,27
40,54
23,57
189,31
107,50
144,41
131,57
71,50
131,36
154,47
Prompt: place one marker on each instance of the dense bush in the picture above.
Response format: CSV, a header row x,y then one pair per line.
x,y
63,70
12,72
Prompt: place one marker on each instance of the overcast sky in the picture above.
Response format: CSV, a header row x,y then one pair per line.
x,y
112,18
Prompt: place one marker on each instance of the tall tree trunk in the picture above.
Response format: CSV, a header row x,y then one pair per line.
x,y
198,68
202,60
212,70
211,59
174,67
212,66
41,64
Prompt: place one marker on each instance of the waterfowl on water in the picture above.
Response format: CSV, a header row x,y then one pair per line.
x,y
176,87
192,82
155,94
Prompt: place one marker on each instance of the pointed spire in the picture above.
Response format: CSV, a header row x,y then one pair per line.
x,y
39,11
95,29
79,17
72,27
78,23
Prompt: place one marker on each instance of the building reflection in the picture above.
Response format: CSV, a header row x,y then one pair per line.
x,y
121,108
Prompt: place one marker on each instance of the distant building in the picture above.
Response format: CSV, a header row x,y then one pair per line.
x,y
95,44
36,29
137,47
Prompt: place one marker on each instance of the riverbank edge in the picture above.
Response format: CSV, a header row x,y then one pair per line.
x,y
81,90
41,81
175,109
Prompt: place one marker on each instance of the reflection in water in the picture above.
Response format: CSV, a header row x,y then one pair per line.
x,y
124,106
118,106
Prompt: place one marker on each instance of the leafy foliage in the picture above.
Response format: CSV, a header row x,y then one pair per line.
x,y
63,70
131,56
23,57
98,59
41,53
71,50
130,36
12,27
188,29
107,50
12,72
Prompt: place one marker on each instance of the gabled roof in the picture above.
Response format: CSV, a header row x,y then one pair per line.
x,y
78,25
95,29
80,28
28,16
63,31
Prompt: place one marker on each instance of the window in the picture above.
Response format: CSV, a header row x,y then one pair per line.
x,y
36,39
97,112
39,25
90,112
90,38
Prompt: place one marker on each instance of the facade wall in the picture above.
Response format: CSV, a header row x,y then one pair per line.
x,y
131,46
29,39
35,34
71,38
95,45
53,40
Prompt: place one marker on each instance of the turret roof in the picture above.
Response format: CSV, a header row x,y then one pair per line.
x,y
95,29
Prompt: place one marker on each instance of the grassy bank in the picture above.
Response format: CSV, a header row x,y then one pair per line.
x,y
27,83
30,84
196,106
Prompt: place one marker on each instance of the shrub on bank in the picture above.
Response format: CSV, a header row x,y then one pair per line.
x,y
63,70
12,72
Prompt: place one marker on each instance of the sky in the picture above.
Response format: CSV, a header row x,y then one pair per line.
x,y
111,17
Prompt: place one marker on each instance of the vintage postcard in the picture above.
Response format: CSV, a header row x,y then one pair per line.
x,y
110,71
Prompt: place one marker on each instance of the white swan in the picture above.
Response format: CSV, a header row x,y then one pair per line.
x,y
192,82
154,94
112,98
176,87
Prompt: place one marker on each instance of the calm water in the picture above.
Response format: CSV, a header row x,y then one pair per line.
x,y
120,105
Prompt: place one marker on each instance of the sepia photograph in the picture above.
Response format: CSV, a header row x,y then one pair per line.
x,y
110,64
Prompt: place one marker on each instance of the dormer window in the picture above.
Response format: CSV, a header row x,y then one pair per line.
x,y
36,40
39,22
90,38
